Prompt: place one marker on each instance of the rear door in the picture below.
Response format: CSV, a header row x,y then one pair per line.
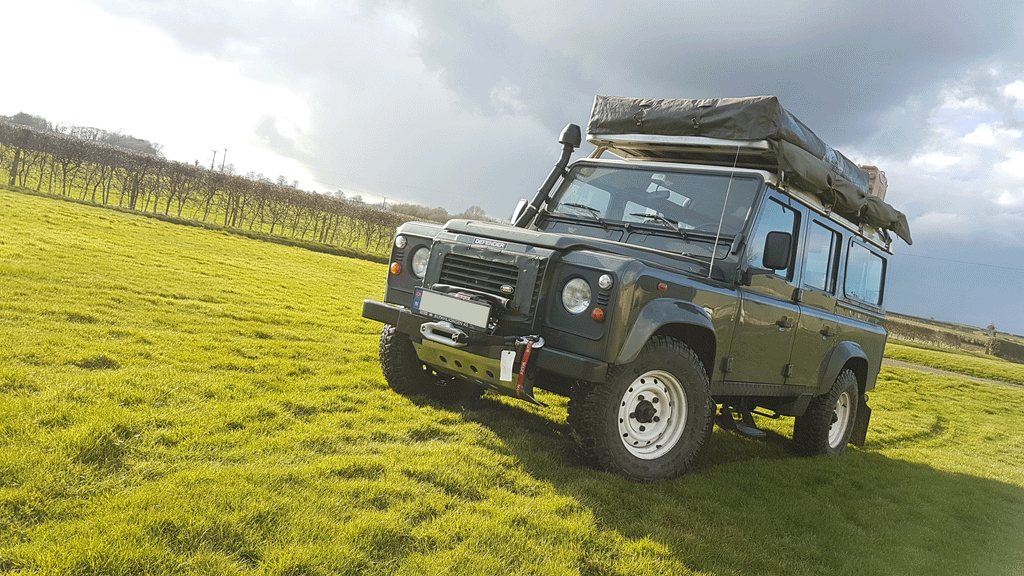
x,y
818,329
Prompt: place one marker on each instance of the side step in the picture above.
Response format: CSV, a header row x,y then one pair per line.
x,y
746,427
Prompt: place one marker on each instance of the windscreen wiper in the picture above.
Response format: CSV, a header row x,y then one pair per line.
x,y
593,212
668,221
684,232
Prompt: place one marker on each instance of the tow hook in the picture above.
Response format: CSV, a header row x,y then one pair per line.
x,y
525,345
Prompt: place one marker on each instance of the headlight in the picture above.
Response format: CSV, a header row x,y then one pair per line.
x,y
576,295
419,261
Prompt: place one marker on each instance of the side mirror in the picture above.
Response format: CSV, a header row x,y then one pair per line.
x,y
777,247
520,208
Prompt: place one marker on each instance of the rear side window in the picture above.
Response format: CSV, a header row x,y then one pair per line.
x,y
865,275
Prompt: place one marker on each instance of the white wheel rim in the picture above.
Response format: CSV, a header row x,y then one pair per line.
x,y
840,421
652,415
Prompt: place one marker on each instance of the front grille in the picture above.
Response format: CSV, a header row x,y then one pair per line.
x,y
477,273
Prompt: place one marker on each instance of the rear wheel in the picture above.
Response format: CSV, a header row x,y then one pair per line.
x,y
650,419
406,375
826,426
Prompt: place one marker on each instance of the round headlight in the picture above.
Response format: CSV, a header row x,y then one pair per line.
x,y
419,261
576,295
399,241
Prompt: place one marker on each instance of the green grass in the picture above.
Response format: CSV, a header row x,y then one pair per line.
x,y
356,250
967,364
176,400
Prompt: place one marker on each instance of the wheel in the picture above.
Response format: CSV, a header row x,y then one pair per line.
x,y
826,425
651,417
406,375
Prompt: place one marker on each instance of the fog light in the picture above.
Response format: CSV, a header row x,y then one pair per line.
x,y
396,268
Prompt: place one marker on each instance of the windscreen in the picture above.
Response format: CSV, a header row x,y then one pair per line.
x,y
688,201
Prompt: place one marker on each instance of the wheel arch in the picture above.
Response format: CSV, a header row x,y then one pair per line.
x,y
845,355
681,320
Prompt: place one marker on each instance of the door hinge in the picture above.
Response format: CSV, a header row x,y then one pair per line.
x,y
727,364
788,370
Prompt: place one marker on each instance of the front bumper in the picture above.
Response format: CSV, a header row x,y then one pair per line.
x,y
480,362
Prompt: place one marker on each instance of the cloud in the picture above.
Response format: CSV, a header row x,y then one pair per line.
x,y
993,136
438,85
269,135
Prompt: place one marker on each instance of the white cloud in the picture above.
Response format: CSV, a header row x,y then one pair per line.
x,y
506,97
1015,90
129,77
1010,172
1010,199
934,160
952,100
937,221
993,136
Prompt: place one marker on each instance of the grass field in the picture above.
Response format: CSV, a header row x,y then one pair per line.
x,y
968,364
176,400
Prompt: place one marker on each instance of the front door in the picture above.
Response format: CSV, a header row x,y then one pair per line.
x,y
768,313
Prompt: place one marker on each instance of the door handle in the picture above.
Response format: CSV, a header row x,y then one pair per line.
x,y
785,323
827,332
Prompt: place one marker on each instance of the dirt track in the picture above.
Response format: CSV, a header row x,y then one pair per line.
x,y
930,370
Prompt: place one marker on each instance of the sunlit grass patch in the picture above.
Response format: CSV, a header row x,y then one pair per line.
x,y
180,401
969,365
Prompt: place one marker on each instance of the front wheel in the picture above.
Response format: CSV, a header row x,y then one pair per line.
x,y
406,375
650,419
826,426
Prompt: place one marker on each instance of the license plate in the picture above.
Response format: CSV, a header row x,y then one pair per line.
x,y
450,308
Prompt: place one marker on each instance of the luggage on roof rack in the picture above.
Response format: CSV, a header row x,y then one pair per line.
x,y
754,132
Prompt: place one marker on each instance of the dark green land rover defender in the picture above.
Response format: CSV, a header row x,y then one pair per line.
x,y
722,256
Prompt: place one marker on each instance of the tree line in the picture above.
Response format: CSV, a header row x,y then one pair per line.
x,y
991,343
104,171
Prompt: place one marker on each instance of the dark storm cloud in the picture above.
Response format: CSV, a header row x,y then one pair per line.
x,y
451,86
841,66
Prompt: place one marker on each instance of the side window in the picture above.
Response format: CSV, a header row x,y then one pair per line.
x,y
821,262
775,217
865,275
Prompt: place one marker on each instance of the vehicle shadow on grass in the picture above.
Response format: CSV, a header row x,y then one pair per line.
x,y
754,507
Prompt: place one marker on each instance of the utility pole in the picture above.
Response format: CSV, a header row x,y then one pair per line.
x,y
223,159
212,162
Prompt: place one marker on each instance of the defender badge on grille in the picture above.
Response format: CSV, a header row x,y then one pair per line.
x,y
507,289
491,243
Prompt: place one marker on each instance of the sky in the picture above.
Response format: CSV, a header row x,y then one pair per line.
x,y
456,104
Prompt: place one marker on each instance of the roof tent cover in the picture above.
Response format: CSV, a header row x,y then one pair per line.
x,y
806,160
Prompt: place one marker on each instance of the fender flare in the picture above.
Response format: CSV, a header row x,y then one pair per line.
x,y
657,314
841,355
